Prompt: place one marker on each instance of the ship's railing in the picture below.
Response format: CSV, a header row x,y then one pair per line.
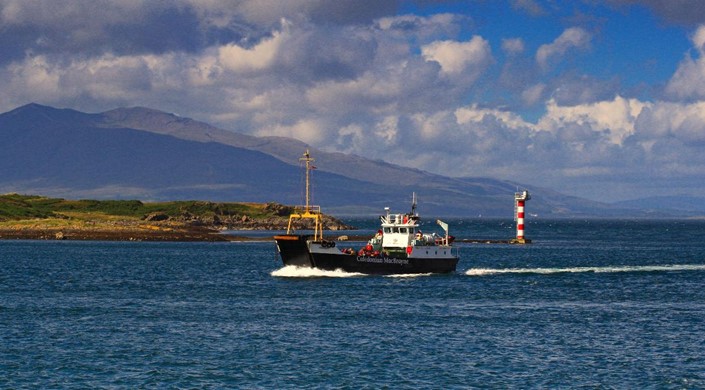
x,y
310,212
311,209
399,219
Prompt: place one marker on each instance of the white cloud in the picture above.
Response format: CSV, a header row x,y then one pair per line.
x,y
689,80
10,11
457,57
378,92
684,122
433,127
513,46
34,75
574,37
108,78
614,119
350,139
699,39
474,114
387,130
310,131
533,94
260,57
530,6
205,71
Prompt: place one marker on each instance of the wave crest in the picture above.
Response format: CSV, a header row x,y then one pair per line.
x,y
292,271
606,269
407,275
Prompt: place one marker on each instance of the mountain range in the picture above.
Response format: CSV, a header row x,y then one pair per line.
x,y
146,154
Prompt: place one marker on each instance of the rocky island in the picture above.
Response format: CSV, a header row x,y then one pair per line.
x,y
39,217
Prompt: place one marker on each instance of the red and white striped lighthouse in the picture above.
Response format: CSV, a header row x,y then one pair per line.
x,y
521,198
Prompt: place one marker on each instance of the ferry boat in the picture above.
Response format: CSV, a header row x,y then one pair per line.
x,y
398,247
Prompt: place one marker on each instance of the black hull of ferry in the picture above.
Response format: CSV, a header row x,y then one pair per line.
x,y
294,251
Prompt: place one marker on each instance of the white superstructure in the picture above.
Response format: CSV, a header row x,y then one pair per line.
x,y
401,234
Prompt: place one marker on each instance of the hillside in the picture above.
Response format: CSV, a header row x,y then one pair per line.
x,y
139,153
685,205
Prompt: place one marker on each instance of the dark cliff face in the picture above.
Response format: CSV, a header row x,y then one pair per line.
x,y
147,154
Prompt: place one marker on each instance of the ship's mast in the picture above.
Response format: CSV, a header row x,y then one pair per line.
x,y
308,160
310,211
413,203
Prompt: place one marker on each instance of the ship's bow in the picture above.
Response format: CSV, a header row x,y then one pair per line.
x,y
293,250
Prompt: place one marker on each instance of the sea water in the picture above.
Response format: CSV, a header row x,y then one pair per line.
x,y
590,304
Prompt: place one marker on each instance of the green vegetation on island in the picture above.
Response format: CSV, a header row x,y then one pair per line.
x,y
16,207
32,216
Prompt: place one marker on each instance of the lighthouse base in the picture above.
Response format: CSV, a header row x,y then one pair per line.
x,y
520,241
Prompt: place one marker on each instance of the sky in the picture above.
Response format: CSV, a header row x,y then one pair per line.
x,y
603,99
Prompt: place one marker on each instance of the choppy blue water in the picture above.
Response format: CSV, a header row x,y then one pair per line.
x,y
591,304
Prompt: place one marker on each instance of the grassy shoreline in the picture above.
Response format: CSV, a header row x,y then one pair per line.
x,y
38,217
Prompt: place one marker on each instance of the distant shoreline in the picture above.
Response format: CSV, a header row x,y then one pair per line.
x,y
192,234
